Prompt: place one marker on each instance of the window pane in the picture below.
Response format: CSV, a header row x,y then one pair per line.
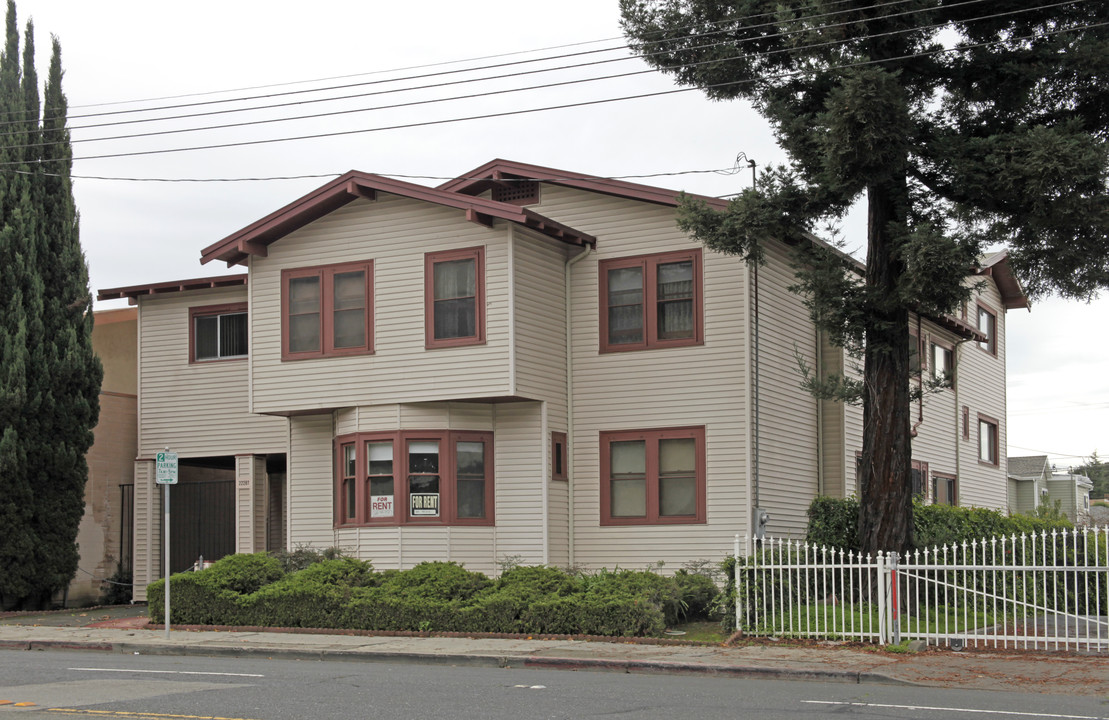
x,y
206,346
677,460
625,305
304,333
628,474
987,442
304,295
675,280
675,300
350,328
380,457
351,509
423,456
455,318
350,290
455,279
470,479
348,461
675,319
232,335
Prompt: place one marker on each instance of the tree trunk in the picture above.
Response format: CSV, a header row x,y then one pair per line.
x,y
885,478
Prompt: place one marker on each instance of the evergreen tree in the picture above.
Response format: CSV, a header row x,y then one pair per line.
x,y
1098,472
964,125
49,376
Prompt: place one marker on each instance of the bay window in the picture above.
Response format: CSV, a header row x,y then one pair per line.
x,y
415,477
653,476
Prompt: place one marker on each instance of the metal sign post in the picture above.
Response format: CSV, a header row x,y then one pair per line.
x,y
165,474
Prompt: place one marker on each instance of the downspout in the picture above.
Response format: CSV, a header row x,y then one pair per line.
x,y
570,399
921,350
819,417
749,384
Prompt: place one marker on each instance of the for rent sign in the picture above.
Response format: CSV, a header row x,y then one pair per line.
x,y
424,504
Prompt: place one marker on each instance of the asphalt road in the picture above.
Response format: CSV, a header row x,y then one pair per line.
x,y
86,685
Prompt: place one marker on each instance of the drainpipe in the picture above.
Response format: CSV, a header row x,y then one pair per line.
x,y
570,398
819,418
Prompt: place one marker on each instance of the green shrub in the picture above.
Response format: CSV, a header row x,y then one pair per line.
x,y
639,586
833,522
698,594
303,556
436,581
243,574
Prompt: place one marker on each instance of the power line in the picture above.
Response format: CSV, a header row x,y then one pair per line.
x,y
465,60
586,103
449,120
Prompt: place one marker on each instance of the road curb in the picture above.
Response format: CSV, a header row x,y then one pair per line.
x,y
663,667
68,645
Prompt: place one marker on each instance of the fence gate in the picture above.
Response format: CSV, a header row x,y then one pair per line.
x,y
1039,591
202,522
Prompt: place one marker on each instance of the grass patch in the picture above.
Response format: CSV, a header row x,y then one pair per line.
x,y
701,631
837,621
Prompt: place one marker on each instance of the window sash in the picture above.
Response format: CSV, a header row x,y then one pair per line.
x,y
218,332
327,310
454,298
653,476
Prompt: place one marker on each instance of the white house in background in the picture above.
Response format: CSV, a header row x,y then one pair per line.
x,y
528,363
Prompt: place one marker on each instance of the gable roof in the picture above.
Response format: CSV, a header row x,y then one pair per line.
x,y
256,237
496,172
1031,466
997,266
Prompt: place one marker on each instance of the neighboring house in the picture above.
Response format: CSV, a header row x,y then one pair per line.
x,y
1027,478
1073,493
527,363
104,536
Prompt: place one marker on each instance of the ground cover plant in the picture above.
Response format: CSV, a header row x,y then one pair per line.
x,y
331,591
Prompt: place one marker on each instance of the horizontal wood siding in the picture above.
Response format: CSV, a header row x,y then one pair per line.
x,y
147,530
788,413
540,318
520,482
698,385
394,233
936,415
310,482
197,409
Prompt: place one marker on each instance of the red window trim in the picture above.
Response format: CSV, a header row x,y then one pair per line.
x,y
558,452
650,264
652,437
991,344
205,311
326,274
448,510
996,440
430,259
936,477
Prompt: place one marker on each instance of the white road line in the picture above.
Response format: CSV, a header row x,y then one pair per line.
x,y
951,709
166,672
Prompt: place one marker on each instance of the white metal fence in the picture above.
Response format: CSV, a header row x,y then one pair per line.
x,y
1037,591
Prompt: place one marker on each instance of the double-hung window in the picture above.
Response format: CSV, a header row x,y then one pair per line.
x,y
988,440
454,298
433,477
943,365
651,301
327,310
217,332
987,325
653,477
944,490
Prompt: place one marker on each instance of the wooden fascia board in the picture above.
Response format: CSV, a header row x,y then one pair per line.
x,y
134,291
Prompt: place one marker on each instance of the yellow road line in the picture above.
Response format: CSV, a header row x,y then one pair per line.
x,y
126,714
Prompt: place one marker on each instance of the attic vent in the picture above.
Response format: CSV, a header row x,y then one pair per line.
x,y
517,192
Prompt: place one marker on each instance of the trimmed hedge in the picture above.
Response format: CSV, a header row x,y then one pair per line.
x,y
833,522
445,597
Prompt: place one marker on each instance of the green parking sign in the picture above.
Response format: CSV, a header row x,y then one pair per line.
x,y
165,468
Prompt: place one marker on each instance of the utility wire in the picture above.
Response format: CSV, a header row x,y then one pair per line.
x,y
492,93
500,92
465,60
780,76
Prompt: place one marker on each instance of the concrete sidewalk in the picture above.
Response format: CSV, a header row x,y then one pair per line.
x,y
1061,673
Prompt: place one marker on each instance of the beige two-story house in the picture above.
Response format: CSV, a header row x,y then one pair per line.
x,y
526,364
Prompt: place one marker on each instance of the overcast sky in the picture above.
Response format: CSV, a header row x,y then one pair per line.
x,y
138,231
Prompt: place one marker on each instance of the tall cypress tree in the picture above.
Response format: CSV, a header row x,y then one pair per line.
x,y
50,378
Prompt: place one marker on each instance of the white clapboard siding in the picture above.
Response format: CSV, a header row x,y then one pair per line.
x,y
147,541
540,318
197,409
395,233
310,484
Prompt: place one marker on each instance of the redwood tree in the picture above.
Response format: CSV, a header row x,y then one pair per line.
x,y
964,124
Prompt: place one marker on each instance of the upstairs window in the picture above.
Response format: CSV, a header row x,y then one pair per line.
x,y
943,365
987,325
988,450
218,332
651,301
327,311
454,298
